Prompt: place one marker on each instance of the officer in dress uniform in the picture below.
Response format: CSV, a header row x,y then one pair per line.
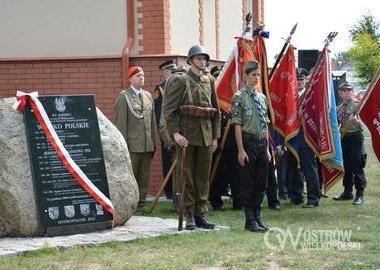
x,y
354,157
309,168
192,117
134,117
250,118
166,68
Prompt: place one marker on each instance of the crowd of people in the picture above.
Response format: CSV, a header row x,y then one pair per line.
x,y
250,163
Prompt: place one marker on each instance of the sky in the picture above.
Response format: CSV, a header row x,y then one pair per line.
x,y
315,18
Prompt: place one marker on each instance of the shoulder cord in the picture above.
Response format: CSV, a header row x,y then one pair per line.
x,y
131,108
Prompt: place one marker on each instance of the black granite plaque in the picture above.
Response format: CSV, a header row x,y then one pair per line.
x,y
64,206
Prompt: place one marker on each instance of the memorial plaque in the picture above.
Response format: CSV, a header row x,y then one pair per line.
x,y
64,206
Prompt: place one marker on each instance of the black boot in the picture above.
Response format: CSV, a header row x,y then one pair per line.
x,y
250,221
190,223
345,196
202,222
259,220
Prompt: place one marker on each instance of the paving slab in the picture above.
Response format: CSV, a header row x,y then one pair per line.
x,y
136,227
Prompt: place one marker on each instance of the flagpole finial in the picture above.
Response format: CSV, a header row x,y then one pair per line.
x,y
330,37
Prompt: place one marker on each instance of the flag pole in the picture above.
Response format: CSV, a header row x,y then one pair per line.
x,y
287,41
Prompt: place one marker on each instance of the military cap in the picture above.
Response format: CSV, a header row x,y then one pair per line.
x,y
302,73
215,71
251,66
169,64
197,50
179,69
134,70
345,85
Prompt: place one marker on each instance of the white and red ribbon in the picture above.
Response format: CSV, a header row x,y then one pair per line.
x,y
68,162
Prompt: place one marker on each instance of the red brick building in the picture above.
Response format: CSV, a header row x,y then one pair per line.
x,y
85,47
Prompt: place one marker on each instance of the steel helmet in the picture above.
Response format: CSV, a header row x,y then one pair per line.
x,y
197,50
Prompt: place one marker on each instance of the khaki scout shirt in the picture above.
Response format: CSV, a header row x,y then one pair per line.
x,y
134,117
199,131
344,111
245,112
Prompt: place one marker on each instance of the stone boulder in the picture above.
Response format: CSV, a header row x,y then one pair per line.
x,y
18,212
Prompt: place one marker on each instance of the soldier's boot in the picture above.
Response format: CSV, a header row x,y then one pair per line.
x,y
202,222
259,219
345,196
190,223
250,221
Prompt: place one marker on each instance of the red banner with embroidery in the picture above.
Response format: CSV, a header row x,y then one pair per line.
x,y
283,96
67,161
369,112
318,116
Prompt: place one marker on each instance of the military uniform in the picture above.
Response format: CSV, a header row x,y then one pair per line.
x,y
354,157
200,131
134,117
166,155
227,172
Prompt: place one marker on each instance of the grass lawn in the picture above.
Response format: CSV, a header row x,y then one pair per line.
x,y
239,249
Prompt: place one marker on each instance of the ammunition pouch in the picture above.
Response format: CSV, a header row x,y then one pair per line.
x,y
195,111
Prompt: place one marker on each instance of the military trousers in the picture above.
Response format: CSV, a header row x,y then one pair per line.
x,y
166,157
141,170
254,174
354,159
196,171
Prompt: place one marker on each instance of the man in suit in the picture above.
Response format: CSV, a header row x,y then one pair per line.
x,y
192,117
134,117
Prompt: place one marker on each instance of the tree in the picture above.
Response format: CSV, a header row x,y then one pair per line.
x,y
367,24
365,54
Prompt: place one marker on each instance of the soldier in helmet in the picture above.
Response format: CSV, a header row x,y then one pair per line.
x,y
352,145
192,117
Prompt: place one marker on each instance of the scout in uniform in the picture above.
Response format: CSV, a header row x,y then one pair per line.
x,y
166,69
193,121
354,157
250,118
134,117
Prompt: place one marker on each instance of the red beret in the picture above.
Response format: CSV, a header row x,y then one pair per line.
x,y
134,70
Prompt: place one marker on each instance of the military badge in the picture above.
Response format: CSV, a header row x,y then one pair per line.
x,y
248,113
53,212
85,209
69,211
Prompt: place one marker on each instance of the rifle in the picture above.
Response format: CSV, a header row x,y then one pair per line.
x,y
166,179
181,196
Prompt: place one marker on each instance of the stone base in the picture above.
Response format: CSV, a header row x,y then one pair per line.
x,y
136,227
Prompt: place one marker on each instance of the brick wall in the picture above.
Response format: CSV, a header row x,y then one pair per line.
x,y
101,77
154,26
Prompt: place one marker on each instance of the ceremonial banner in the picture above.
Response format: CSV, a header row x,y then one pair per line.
x,y
369,112
260,55
318,116
283,98
231,77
